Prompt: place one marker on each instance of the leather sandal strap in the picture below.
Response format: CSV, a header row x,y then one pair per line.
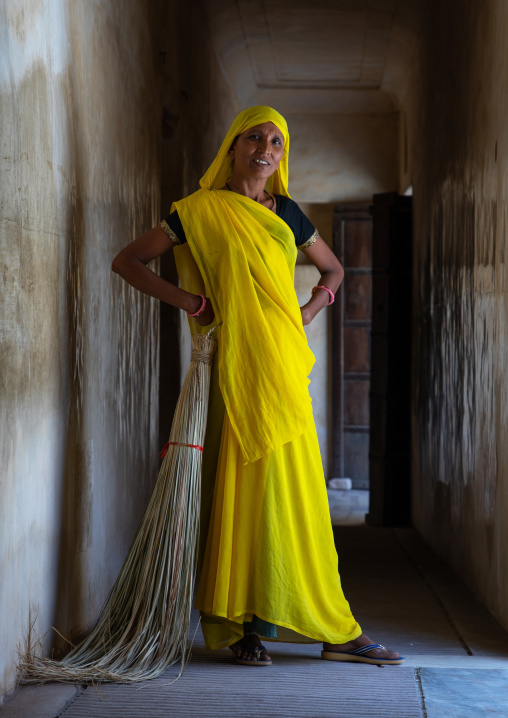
x,y
364,649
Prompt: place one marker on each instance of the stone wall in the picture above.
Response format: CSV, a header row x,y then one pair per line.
x,y
456,149
85,89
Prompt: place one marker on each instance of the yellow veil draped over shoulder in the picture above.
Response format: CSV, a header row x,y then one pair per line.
x,y
245,256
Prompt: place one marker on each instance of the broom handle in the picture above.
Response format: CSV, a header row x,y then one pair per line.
x,y
213,329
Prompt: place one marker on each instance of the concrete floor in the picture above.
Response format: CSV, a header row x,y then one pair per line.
x,y
403,596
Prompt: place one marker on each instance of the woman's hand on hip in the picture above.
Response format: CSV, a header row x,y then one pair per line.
x,y
307,314
207,316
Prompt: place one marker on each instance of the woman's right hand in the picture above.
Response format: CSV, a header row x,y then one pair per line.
x,y
207,316
131,263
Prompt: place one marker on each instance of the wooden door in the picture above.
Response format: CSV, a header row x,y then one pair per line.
x,y
352,318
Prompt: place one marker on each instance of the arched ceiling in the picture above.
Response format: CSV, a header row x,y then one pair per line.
x,y
319,56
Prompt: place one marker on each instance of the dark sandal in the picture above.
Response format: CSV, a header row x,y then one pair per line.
x,y
358,655
256,650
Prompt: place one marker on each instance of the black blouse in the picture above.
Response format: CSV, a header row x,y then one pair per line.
x,y
304,231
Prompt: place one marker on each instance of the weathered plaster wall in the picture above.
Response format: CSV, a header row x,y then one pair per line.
x,y
335,158
85,89
80,177
321,216
457,162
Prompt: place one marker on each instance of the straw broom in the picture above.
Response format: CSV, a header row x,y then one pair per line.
x,y
144,625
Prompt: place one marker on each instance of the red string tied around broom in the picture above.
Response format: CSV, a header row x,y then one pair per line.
x,y
177,443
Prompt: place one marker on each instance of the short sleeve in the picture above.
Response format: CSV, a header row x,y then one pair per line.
x,y
172,225
309,242
304,231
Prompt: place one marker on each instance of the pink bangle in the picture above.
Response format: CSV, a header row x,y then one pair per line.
x,y
201,308
332,295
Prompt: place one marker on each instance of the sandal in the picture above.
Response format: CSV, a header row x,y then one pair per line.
x,y
357,655
256,650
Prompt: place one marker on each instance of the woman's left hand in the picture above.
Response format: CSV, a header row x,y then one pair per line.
x,y
332,274
307,314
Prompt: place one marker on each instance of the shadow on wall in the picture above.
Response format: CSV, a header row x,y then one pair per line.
x,y
80,351
72,603
456,113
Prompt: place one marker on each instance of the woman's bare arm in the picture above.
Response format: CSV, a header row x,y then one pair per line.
x,y
332,274
131,263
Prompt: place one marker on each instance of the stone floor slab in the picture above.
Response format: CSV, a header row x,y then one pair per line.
x,y
47,701
462,693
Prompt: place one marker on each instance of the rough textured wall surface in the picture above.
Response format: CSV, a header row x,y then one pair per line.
x,y
458,157
80,175
342,157
101,106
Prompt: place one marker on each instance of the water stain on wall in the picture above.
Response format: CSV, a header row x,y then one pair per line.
x,y
457,109
81,158
83,496
79,353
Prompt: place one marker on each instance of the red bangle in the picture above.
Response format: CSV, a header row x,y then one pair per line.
x,y
201,308
332,295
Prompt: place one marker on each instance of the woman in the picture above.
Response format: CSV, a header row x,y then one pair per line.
x,y
268,566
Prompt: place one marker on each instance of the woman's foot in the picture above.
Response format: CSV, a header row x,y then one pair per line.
x,y
249,651
351,651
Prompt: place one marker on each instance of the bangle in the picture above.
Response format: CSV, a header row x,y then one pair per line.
x,y
201,308
332,295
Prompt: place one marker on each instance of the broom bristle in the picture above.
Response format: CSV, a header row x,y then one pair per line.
x,y
144,625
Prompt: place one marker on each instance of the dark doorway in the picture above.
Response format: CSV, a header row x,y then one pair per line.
x,y
390,403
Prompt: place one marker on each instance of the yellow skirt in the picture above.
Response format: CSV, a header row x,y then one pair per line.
x,y
269,549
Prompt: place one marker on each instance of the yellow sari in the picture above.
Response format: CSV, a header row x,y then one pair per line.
x,y
267,544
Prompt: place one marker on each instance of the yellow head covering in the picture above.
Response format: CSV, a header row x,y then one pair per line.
x,y
221,169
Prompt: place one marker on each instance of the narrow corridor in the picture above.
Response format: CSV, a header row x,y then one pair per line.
x,y
110,112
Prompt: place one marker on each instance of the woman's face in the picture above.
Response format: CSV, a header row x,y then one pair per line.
x,y
257,151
